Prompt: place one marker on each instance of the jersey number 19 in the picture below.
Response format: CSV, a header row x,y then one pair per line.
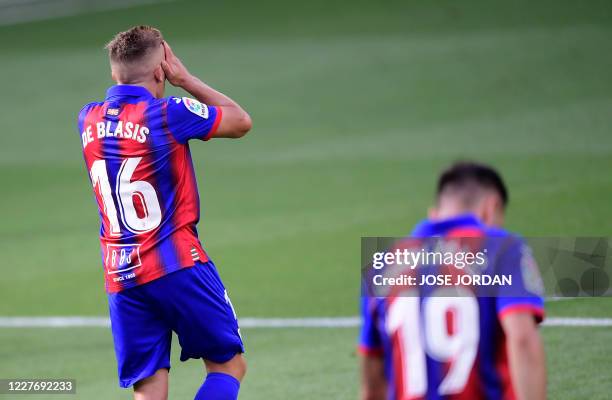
x,y
425,330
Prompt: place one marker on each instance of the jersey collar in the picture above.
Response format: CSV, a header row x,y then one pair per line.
x,y
436,228
128,90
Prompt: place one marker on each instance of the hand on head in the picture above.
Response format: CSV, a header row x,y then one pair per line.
x,y
176,72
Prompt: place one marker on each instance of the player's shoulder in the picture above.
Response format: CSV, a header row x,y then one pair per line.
x,y
506,241
89,106
84,112
421,229
155,106
186,106
495,231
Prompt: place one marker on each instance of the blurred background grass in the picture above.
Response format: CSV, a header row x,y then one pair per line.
x,y
357,106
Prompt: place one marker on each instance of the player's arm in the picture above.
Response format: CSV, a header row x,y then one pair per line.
x,y
373,381
526,355
235,122
520,308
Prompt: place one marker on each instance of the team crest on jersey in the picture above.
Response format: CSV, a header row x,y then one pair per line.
x,y
196,107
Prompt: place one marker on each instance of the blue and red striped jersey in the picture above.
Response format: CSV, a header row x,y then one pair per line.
x,y
438,347
137,155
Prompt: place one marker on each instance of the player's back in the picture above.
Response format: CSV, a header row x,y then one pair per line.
x,y
448,343
136,152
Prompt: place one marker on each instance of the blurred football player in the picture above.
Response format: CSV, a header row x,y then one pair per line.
x,y
428,346
158,277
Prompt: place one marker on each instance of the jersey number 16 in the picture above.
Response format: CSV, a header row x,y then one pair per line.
x,y
128,194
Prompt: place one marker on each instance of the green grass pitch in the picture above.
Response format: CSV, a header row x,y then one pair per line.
x,y
356,107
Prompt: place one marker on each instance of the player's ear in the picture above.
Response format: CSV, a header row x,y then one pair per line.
x,y
492,210
159,74
498,211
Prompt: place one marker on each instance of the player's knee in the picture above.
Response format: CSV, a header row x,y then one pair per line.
x,y
240,367
154,387
235,367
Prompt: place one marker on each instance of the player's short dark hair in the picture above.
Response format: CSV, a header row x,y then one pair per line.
x,y
134,43
465,176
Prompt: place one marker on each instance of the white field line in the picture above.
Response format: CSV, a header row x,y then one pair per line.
x,y
561,298
577,321
331,322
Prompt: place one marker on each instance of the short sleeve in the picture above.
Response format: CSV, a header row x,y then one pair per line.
x,y
82,115
370,342
189,119
526,292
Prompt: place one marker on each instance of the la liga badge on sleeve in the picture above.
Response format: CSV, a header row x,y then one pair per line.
x,y
196,107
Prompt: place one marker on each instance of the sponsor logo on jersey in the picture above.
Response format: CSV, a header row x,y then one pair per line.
x,y
121,258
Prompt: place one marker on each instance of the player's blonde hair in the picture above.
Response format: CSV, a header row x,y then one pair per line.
x,y
134,44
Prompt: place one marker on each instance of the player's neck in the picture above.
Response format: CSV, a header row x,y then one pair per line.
x,y
450,212
152,87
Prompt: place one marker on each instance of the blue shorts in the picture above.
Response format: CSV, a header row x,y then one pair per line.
x,y
191,302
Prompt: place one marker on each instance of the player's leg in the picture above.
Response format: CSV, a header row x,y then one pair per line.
x,y
222,380
197,305
152,388
235,367
142,343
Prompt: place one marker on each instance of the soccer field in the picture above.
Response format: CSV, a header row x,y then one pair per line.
x,y
356,107
284,363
